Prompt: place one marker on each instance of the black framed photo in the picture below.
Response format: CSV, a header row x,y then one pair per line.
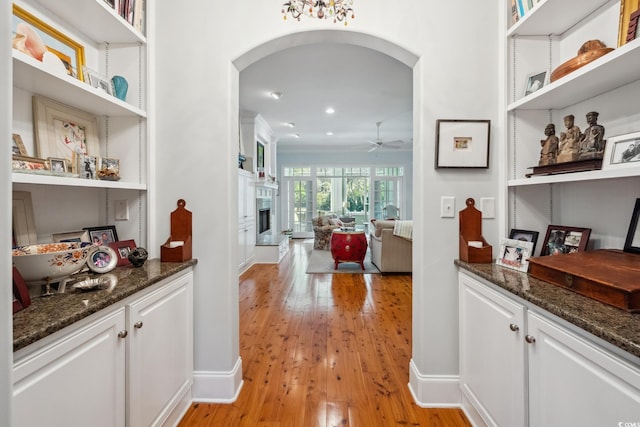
x,y
565,240
260,155
462,143
102,236
525,236
632,243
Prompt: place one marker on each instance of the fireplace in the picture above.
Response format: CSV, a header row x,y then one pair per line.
x,y
264,220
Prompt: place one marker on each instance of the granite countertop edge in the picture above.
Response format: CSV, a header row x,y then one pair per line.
x,y
611,324
47,315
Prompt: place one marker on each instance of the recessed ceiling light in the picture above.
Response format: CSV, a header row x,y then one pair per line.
x,y
276,95
330,133
329,110
291,124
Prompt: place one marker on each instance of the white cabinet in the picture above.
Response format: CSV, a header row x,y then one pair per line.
x,y
111,47
550,34
246,219
78,380
492,361
518,367
131,364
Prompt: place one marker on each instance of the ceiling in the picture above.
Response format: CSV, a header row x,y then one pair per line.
x,y
362,85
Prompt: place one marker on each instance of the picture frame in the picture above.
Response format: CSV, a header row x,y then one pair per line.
x,y
108,169
57,165
260,155
627,8
68,52
622,151
102,259
64,132
632,242
462,143
18,148
28,164
23,220
122,249
21,297
98,81
103,235
563,240
71,236
525,236
535,81
87,166
515,254
632,31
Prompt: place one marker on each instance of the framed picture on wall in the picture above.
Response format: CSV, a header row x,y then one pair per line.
x,y
260,155
462,143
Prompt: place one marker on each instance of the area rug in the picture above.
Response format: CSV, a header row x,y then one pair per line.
x,y
321,262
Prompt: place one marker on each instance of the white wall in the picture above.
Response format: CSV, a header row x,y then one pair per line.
x,y
197,138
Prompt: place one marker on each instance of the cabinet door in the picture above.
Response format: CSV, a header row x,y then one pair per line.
x,y
160,359
492,363
574,382
79,380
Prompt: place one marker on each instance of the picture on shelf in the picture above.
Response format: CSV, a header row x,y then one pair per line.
x,y
87,166
102,260
515,254
123,248
565,240
628,16
57,165
622,151
39,40
18,147
81,236
632,242
98,81
24,163
535,81
525,236
102,236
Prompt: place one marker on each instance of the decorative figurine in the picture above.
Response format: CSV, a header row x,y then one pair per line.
x,y
569,141
138,256
591,141
549,150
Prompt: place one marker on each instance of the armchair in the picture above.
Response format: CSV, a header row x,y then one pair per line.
x,y
323,226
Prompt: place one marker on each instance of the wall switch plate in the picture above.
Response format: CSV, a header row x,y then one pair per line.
x,y
488,207
121,210
447,207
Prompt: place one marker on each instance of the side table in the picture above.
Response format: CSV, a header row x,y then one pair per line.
x,y
348,246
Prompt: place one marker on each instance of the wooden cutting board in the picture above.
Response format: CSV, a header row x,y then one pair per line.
x,y
608,275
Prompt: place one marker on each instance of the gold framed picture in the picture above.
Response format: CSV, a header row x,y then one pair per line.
x,y
627,8
41,41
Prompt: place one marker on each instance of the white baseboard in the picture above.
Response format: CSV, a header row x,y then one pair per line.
x,y
218,387
434,391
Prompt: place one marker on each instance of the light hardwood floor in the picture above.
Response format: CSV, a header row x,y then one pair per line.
x,y
323,350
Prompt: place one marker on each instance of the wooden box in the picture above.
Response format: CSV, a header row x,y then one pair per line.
x,y
471,231
180,232
606,275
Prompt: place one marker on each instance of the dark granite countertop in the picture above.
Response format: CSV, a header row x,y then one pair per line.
x,y
614,325
47,315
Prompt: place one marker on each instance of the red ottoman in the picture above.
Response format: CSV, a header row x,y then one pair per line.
x,y
348,246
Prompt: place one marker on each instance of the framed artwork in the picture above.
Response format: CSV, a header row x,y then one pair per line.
x,y
122,249
41,41
18,148
525,236
535,81
98,81
622,151
86,166
632,243
102,259
57,165
462,143
260,155
21,298
515,254
565,240
72,236
64,132
102,236
24,163
627,8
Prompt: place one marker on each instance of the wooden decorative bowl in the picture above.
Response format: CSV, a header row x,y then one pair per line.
x,y
579,61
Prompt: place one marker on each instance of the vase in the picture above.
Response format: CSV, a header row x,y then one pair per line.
x,y
138,256
120,86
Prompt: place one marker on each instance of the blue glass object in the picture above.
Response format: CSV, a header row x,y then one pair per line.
x,y
120,85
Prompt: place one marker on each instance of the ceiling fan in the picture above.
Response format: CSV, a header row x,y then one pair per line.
x,y
378,143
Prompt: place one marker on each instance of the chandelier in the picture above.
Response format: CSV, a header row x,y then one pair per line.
x,y
338,10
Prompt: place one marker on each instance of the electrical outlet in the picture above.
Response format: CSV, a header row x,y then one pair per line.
x,y
447,207
121,210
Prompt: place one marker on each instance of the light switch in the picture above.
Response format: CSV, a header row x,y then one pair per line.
x,y
488,207
121,210
447,207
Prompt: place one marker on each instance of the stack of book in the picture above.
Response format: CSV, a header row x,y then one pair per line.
x,y
131,11
519,8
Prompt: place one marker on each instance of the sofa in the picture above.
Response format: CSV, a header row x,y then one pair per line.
x,y
389,253
323,226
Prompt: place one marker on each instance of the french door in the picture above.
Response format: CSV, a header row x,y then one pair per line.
x,y
386,191
300,194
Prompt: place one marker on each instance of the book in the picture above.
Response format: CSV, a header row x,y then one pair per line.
x,y
521,11
514,12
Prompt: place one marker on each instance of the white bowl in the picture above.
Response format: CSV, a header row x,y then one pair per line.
x,y
50,261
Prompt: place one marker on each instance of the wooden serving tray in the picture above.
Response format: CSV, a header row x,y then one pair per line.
x,y
606,275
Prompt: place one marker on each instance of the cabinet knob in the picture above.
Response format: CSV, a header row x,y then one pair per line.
x,y
530,339
514,327
123,334
138,324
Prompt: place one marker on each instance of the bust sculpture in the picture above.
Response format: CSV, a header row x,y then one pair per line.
x,y
569,145
592,141
550,145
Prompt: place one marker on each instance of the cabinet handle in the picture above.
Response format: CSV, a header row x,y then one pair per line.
x,y
514,327
123,334
530,339
138,324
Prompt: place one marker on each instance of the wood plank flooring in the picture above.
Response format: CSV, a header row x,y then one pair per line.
x,y
322,350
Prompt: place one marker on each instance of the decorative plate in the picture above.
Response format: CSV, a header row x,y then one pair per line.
x,y
102,260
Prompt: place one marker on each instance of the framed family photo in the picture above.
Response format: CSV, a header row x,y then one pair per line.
x,y
102,236
565,240
622,151
462,143
525,236
102,260
515,254
122,249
